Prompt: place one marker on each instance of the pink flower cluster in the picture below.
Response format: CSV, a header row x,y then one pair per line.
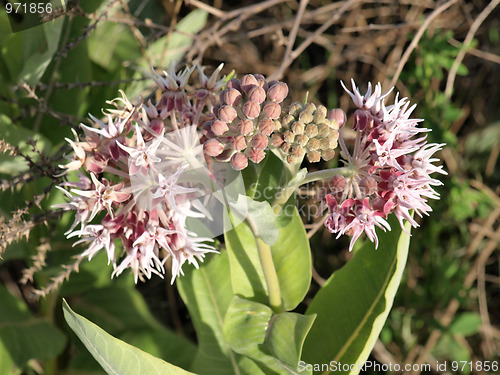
x,y
388,168
132,187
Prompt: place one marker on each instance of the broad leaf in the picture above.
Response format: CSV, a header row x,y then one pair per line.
x,y
354,303
261,215
116,356
252,329
291,258
122,312
207,294
264,181
286,335
24,337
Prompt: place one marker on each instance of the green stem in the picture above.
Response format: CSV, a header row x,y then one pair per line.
x,y
273,286
270,275
327,173
310,177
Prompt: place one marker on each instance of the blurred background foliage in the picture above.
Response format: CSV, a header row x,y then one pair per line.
x,y
445,56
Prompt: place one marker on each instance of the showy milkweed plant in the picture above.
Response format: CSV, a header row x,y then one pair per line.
x,y
160,179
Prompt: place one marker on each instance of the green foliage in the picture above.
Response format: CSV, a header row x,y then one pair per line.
x,y
355,302
251,329
24,337
291,258
115,356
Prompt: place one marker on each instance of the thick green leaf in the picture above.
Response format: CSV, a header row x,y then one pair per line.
x,y
122,312
7,366
24,337
207,294
115,356
354,303
120,45
172,47
279,337
27,54
291,258
261,215
265,180
252,330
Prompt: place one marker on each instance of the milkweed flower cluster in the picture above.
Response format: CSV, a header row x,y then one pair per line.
x,y
389,168
149,170
134,185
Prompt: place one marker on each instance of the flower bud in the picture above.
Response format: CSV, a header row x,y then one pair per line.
x,y
323,131
287,121
239,143
324,144
272,110
313,156
219,127
337,183
313,144
239,161
251,109
338,115
288,136
277,125
230,96
298,151
278,92
266,126
259,141
285,147
318,117
256,155
234,83
333,135
368,185
311,130
224,155
295,109
301,139
327,154
227,113
310,107
321,110
257,94
213,147
206,129
305,116
298,128
247,82
277,140
291,159
245,127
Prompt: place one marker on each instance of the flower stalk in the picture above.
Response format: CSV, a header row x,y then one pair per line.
x,y
273,286
270,275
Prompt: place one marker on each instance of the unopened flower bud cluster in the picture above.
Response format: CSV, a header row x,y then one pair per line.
x,y
306,130
244,120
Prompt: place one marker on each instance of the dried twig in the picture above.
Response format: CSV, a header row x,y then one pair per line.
x,y
468,39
